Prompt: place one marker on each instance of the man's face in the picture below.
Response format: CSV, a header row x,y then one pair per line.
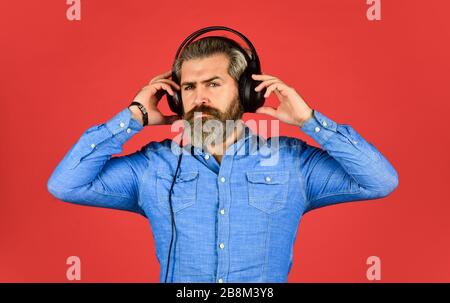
x,y
207,87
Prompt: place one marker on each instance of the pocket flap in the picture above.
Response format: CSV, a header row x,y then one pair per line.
x,y
269,177
182,177
187,176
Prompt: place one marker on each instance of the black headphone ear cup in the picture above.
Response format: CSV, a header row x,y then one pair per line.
x,y
251,100
175,103
244,92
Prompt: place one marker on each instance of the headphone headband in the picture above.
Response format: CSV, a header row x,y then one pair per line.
x,y
202,31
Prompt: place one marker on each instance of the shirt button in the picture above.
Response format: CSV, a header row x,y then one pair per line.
x,y
220,280
122,124
222,179
92,145
128,130
317,129
268,179
222,246
206,156
324,123
222,211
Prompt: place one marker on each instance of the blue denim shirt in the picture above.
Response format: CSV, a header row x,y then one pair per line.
x,y
236,220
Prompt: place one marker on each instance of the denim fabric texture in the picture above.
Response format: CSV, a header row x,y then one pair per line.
x,y
236,220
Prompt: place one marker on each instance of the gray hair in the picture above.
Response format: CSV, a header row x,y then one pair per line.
x,y
208,46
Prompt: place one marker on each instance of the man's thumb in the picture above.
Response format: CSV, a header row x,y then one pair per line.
x,y
267,110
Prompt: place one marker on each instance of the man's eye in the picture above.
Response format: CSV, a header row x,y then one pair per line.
x,y
187,87
215,84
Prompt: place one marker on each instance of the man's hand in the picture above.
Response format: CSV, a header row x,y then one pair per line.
x,y
150,95
292,108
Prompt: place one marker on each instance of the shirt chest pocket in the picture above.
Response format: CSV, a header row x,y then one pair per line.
x,y
267,191
184,193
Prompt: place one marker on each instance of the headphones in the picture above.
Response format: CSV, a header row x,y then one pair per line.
x,y
249,98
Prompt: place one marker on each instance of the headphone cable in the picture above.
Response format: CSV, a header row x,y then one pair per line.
x,y
171,209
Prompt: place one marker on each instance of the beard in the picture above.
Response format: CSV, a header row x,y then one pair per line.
x,y
213,129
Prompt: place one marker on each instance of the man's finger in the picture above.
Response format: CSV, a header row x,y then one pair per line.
x,y
266,83
278,93
162,76
168,81
163,86
270,89
263,77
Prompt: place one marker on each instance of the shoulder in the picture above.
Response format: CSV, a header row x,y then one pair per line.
x,y
285,142
159,146
164,148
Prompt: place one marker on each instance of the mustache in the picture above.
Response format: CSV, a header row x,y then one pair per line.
x,y
204,109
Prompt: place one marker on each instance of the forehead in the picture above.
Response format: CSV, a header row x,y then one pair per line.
x,y
197,69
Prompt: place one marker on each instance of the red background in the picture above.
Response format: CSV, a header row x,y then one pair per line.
x,y
388,79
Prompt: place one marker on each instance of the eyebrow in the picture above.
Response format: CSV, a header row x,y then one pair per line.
x,y
204,81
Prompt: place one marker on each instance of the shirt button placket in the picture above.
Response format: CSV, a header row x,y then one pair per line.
x,y
222,234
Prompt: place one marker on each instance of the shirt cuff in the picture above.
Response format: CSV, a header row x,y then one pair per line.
x,y
319,127
122,126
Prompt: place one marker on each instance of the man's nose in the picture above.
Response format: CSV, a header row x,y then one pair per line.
x,y
200,101
202,98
